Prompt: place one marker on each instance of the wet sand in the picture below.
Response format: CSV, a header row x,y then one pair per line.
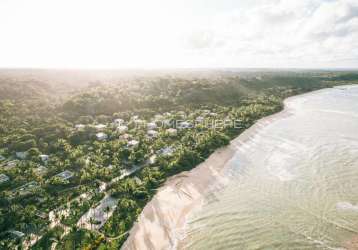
x,y
162,222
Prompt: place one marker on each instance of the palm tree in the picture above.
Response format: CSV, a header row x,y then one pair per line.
x,y
91,221
107,209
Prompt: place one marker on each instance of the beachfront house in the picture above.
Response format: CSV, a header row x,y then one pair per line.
x,y
183,125
65,175
133,143
4,178
151,126
100,127
79,126
124,137
118,122
121,129
101,136
166,151
152,133
199,119
21,155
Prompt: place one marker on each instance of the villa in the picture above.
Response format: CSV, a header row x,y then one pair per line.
x,y
118,121
65,175
167,151
26,189
10,164
152,133
151,125
21,155
4,178
184,125
16,234
133,143
199,119
100,127
101,136
124,136
122,129
79,126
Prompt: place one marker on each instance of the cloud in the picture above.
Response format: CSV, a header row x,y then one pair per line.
x,y
295,33
179,33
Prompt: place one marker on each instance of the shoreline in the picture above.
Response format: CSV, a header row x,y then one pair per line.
x,y
161,225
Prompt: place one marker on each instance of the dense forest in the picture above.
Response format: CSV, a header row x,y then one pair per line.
x,y
82,152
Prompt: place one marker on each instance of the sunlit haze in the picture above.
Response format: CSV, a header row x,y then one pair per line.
x,y
178,33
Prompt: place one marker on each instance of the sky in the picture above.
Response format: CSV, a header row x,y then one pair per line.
x,y
179,33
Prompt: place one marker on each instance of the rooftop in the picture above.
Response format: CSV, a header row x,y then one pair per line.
x,y
4,178
65,175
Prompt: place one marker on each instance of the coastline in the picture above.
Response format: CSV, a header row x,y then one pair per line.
x,y
162,222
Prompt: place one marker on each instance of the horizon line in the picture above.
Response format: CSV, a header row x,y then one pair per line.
x,y
179,68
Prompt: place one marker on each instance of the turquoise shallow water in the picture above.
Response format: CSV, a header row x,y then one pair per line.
x,y
292,185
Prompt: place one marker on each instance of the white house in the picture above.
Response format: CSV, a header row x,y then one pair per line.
x,y
44,158
133,143
124,136
4,178
11,164
167,151
79,126
151,125
100,127
118,122
122,129
21,155
199,119
17,234
101,136
172,131
183,125
65,175
152,133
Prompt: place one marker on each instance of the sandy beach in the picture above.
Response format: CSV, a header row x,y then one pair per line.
x,y
162,223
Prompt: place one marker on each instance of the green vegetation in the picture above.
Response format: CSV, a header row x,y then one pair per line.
x,y
121,138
